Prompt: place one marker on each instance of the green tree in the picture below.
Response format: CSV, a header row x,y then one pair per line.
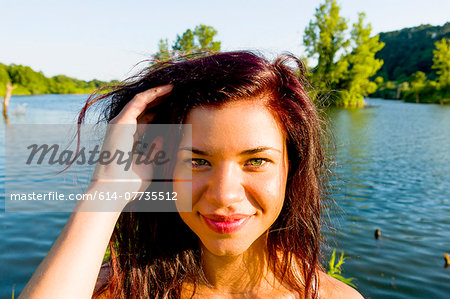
x,y
201,39
205,37
5,80
441,62
324,37
417,83
163,50
379,81
185,42
27,80
362,65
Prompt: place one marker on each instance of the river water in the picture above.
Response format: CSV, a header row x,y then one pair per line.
x,y
392,172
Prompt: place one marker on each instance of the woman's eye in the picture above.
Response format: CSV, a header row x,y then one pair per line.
x,y
197,163
256,162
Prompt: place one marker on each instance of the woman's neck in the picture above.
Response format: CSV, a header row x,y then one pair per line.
x,y
242,273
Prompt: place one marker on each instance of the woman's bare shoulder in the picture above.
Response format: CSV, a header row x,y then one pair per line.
x,y
330,287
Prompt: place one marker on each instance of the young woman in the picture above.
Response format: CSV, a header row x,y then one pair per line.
x,y
255,158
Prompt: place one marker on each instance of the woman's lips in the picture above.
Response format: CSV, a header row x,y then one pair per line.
x,y
226,225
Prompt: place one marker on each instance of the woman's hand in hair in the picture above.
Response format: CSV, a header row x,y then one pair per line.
x,y
71,267
123,140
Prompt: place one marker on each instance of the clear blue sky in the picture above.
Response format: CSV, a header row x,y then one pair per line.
x,y
104,39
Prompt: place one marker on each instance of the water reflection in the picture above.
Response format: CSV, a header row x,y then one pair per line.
x,y
393,160
352,130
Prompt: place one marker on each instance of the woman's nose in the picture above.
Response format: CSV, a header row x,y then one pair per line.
x,y
225,186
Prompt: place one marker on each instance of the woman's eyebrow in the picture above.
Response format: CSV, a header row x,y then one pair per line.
x,y
246,152
259,150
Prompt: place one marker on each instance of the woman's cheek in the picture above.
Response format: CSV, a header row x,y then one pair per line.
x,y
268,190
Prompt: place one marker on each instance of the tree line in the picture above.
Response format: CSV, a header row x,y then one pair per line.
x,y
423,74
418,42
345,62
22,80
26,81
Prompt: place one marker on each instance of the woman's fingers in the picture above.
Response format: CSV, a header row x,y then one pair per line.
x,y
145,170
121,143
138,104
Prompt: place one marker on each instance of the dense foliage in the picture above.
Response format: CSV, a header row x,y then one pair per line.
x,y
26,81
421,87
362,65
344,65
324,37
410,50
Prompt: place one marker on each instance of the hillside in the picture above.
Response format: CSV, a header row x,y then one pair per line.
x,y
410,50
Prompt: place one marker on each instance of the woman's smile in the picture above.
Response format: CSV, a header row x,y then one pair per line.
x,y
225,224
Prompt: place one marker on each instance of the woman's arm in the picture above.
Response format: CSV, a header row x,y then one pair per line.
x,y
71,267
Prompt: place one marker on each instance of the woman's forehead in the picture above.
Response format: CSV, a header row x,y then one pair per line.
x,y
238,125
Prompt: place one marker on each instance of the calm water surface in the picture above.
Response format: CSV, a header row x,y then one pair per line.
x,y
393,173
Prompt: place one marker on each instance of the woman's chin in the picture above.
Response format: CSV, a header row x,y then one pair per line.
x,y
225,247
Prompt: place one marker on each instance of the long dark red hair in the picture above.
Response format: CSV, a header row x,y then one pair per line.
x,y
153,253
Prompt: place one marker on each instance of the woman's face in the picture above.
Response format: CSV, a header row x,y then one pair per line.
x,y
238,159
